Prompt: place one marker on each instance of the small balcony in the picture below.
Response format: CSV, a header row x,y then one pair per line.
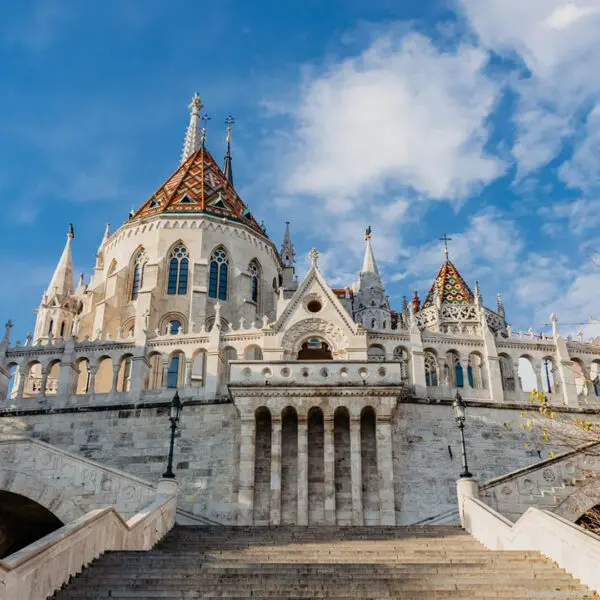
x,y
315,373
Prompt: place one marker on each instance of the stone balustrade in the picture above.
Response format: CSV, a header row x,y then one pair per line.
x,y
574,549
316,373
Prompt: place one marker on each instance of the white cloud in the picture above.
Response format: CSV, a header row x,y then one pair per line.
x,y
557,42
402,112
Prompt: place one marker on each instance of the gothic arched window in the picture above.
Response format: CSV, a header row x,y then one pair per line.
x,y
254,271
137,280
431,369
174,327
178,271
218,274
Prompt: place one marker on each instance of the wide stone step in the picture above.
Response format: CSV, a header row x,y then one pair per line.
x,y
432,563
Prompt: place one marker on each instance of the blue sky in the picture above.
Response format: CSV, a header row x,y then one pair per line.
x,y
476,118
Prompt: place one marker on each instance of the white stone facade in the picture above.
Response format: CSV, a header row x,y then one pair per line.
x,y
304,404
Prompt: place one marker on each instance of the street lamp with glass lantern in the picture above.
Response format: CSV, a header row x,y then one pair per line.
x,y
459,407
174,413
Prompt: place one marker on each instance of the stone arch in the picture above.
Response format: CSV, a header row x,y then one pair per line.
x,y
527,374
124,374
296,335
550,375
198,374
104,374
401,355
155,370
166,328
253,352
432,368
41,491
476,375
580,376
595,376
53,369
22,522
376,352
33,379
507,372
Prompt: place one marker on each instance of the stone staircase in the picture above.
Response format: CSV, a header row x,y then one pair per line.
x,y
334,563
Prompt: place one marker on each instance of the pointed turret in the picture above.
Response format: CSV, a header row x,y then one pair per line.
x,y
61,284
58,306
371,305
288,257
106,236
193,135
227,168
288,253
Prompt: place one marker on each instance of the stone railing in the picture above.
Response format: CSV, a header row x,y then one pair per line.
x,y
556,484
572,548
321,373
38,570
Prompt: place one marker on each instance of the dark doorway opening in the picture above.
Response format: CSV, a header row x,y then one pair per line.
x,y
23,521
315,349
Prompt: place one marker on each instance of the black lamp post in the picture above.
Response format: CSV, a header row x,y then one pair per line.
x,y
459,407
174,412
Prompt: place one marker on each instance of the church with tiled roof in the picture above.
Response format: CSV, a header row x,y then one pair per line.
x,y
303,404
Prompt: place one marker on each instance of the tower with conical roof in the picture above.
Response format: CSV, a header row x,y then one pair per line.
x,y
58,306
371,307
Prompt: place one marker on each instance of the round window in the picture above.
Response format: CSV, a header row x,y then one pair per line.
x,y
314,306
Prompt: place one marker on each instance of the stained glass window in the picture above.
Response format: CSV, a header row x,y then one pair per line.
x,y
138,274
254,271
218,274
178,271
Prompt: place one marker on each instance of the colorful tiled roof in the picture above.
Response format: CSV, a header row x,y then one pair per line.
x,y
199,186
451,287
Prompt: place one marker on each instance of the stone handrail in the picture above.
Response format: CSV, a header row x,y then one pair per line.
x,y
574,549
38,570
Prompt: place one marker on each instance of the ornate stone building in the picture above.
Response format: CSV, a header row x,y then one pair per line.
x,y
302,403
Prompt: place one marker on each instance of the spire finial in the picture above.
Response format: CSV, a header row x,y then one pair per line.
x,y
314,256
192,141
368,233
288,252
445,239
227,171
71,232
205,118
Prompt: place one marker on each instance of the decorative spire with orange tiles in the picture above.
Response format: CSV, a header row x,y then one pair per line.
x,y
198,186
450,286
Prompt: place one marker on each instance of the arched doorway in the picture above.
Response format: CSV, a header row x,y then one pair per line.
x,y
315,349
23,521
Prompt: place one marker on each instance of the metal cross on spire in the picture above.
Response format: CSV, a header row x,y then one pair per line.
x,y
229,121
205,118
445,239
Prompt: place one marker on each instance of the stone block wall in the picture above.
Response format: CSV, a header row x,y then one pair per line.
x,y
207,454
136,441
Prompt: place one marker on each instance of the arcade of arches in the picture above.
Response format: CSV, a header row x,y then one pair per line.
x,y
310,461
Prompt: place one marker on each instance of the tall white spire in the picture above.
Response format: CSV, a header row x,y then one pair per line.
x,y
193,135
61,284
369,264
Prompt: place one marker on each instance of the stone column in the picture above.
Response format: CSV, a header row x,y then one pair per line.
x,y
275,471
302,470
538,376
67,379
329,470
115,379
189,365
386,470
92,370
22,378
137,377
165,375
356,471
418,372
43,382
4,383
246,479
